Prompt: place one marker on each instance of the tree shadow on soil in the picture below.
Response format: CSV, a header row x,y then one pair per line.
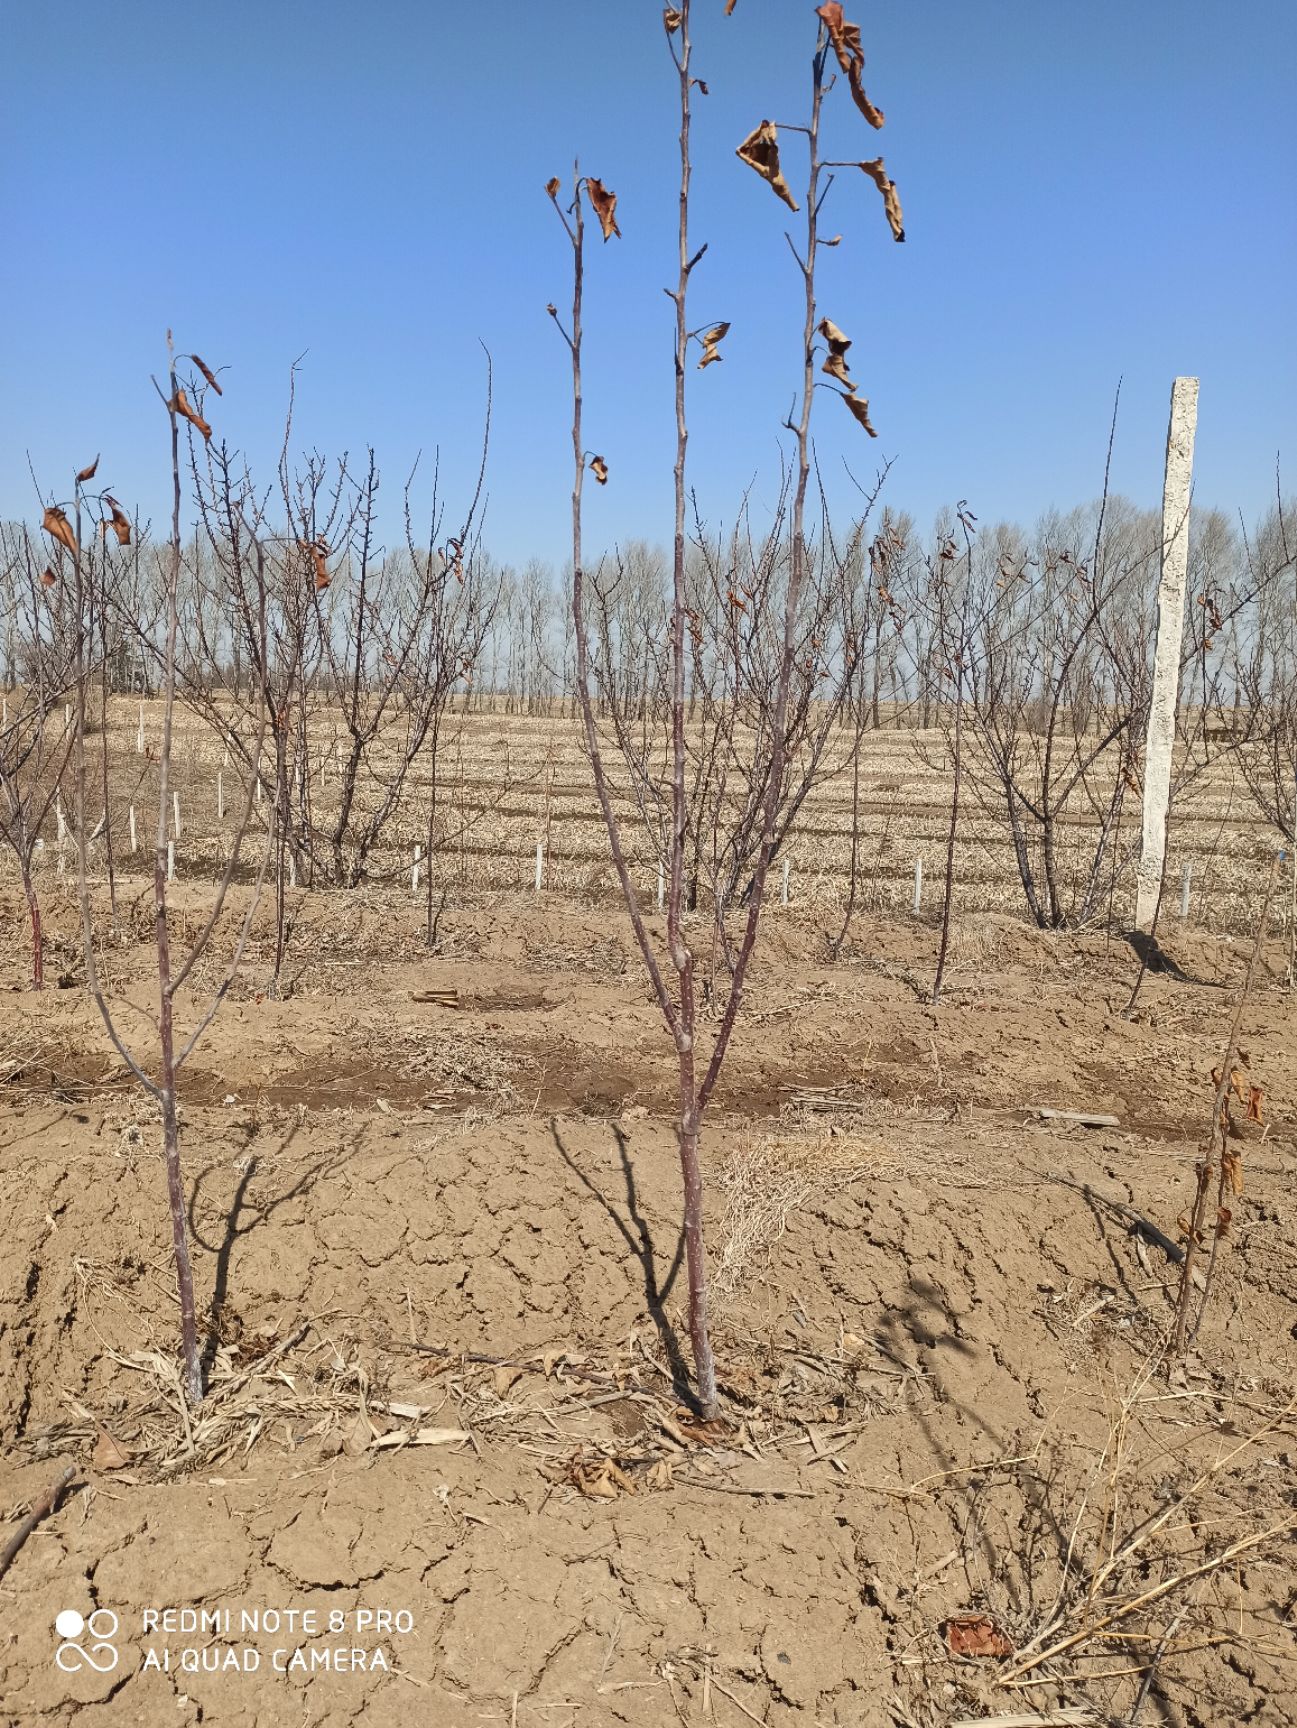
x,y
220,1319
638,1238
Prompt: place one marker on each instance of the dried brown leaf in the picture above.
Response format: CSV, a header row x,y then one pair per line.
x,y
48,578
859,406
672,19
56,524
976,1635
207,373
605,207
551,186
760,150
891,198
729,6
88,473
110,1454
119,524
599,468
836,364
851,57
182,407
717,333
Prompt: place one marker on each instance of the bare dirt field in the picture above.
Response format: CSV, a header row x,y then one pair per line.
x,y
439,1266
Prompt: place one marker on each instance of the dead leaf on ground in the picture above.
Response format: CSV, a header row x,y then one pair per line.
x,y
859,406
976,1635
55,523
760,150
717,333
597,1477
891,198
599,468
182,407
605,207
88,473
851,57
110,1454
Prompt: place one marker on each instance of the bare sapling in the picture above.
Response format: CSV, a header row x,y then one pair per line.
x,y
954,621
35,745
1220,1160
697,1070
183,400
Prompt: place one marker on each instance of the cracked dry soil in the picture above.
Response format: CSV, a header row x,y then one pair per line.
x,y
936,1334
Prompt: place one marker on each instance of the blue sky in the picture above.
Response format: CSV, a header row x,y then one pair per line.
x,y
1089,192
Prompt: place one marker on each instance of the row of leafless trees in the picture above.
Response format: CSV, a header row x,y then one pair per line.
x,y
1036,648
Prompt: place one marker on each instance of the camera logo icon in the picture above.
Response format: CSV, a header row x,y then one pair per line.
x,y
98,1628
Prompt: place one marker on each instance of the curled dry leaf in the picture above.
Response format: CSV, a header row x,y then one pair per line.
x,y
891,199
120,525
701,84
859,406
717,333
599,468
976,1635
207,373
551,186
836,364
851,57
318,552
672,19
88,473
182,407
729,6
110,1454
605,207
760,150
55,523
48,578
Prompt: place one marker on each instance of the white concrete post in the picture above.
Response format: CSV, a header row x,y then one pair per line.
x,y
132,816
171,860
220,797
1160,741
139,733
918,885
540,865
175,812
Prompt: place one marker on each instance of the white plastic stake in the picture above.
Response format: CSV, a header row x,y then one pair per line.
x,y
540,864
662,887
414,873
1186,878
139,733
132,813
918,885
67,715
258,789
220,797
171,860
175,812
783,892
